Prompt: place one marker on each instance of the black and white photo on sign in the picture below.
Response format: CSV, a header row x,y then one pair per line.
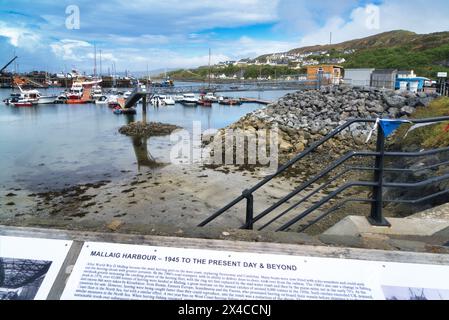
x,y
406,293
20,279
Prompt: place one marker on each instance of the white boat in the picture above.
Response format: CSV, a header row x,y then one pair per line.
x,y
14,97
29,96
76,91
26,98
78,86
96,92
167,100
178,98
156,100
112,100
47,99
127,94
189,99
104,100
211,97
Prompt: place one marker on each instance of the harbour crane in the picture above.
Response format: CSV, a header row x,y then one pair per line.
x,y
7,65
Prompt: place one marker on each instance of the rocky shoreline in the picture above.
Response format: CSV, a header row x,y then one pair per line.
x,y
307,116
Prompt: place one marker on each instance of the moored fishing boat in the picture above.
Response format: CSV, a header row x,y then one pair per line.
x,y
189,99
26,98
81,89
204,101
210,96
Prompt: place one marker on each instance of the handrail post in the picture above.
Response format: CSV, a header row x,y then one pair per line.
x,y
376,218
249,210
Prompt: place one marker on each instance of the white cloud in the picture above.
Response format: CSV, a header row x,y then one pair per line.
x,y
147,39
200,14
73,50
137,60
305,16
20,36
249,47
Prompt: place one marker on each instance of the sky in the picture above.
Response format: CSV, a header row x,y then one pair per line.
x,y
138,34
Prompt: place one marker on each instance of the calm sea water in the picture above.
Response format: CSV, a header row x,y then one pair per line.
x,y
50,147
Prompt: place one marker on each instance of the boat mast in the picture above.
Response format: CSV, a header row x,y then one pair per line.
x,y
113,75
65,76
95,60
101,69
209,68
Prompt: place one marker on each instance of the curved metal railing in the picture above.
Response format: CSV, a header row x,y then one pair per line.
x,y
377,185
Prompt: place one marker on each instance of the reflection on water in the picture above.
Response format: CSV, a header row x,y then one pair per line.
x,y
144,158
140,146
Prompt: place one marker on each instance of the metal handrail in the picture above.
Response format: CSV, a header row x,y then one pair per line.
x,y
359,184
330,169
343,203
338,176
377,185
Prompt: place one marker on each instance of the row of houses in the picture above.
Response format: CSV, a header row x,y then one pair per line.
x,y
293,60
379,78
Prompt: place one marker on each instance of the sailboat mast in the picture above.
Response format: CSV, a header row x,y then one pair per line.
x,y
148,76
114,74
209,67
95,60
101,69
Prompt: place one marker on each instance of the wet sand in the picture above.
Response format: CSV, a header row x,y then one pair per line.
x,y
173,195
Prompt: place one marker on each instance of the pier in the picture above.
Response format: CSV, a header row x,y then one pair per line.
x,y
254,100
137,94
238,87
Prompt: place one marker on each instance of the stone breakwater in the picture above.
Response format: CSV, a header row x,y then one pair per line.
x,y
306,116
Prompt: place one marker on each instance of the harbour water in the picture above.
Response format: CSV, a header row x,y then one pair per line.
x,y
51,147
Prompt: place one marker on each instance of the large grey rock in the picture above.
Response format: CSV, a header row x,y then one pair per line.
x,y
425,101
395,101
393,112
407,110
376,108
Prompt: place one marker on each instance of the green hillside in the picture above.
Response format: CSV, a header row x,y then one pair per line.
x,y
427,54
425,59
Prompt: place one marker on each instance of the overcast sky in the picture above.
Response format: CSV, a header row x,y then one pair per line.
x,y
178,33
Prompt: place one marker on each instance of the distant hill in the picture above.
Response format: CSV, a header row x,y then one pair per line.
x,y
386,40
425,53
